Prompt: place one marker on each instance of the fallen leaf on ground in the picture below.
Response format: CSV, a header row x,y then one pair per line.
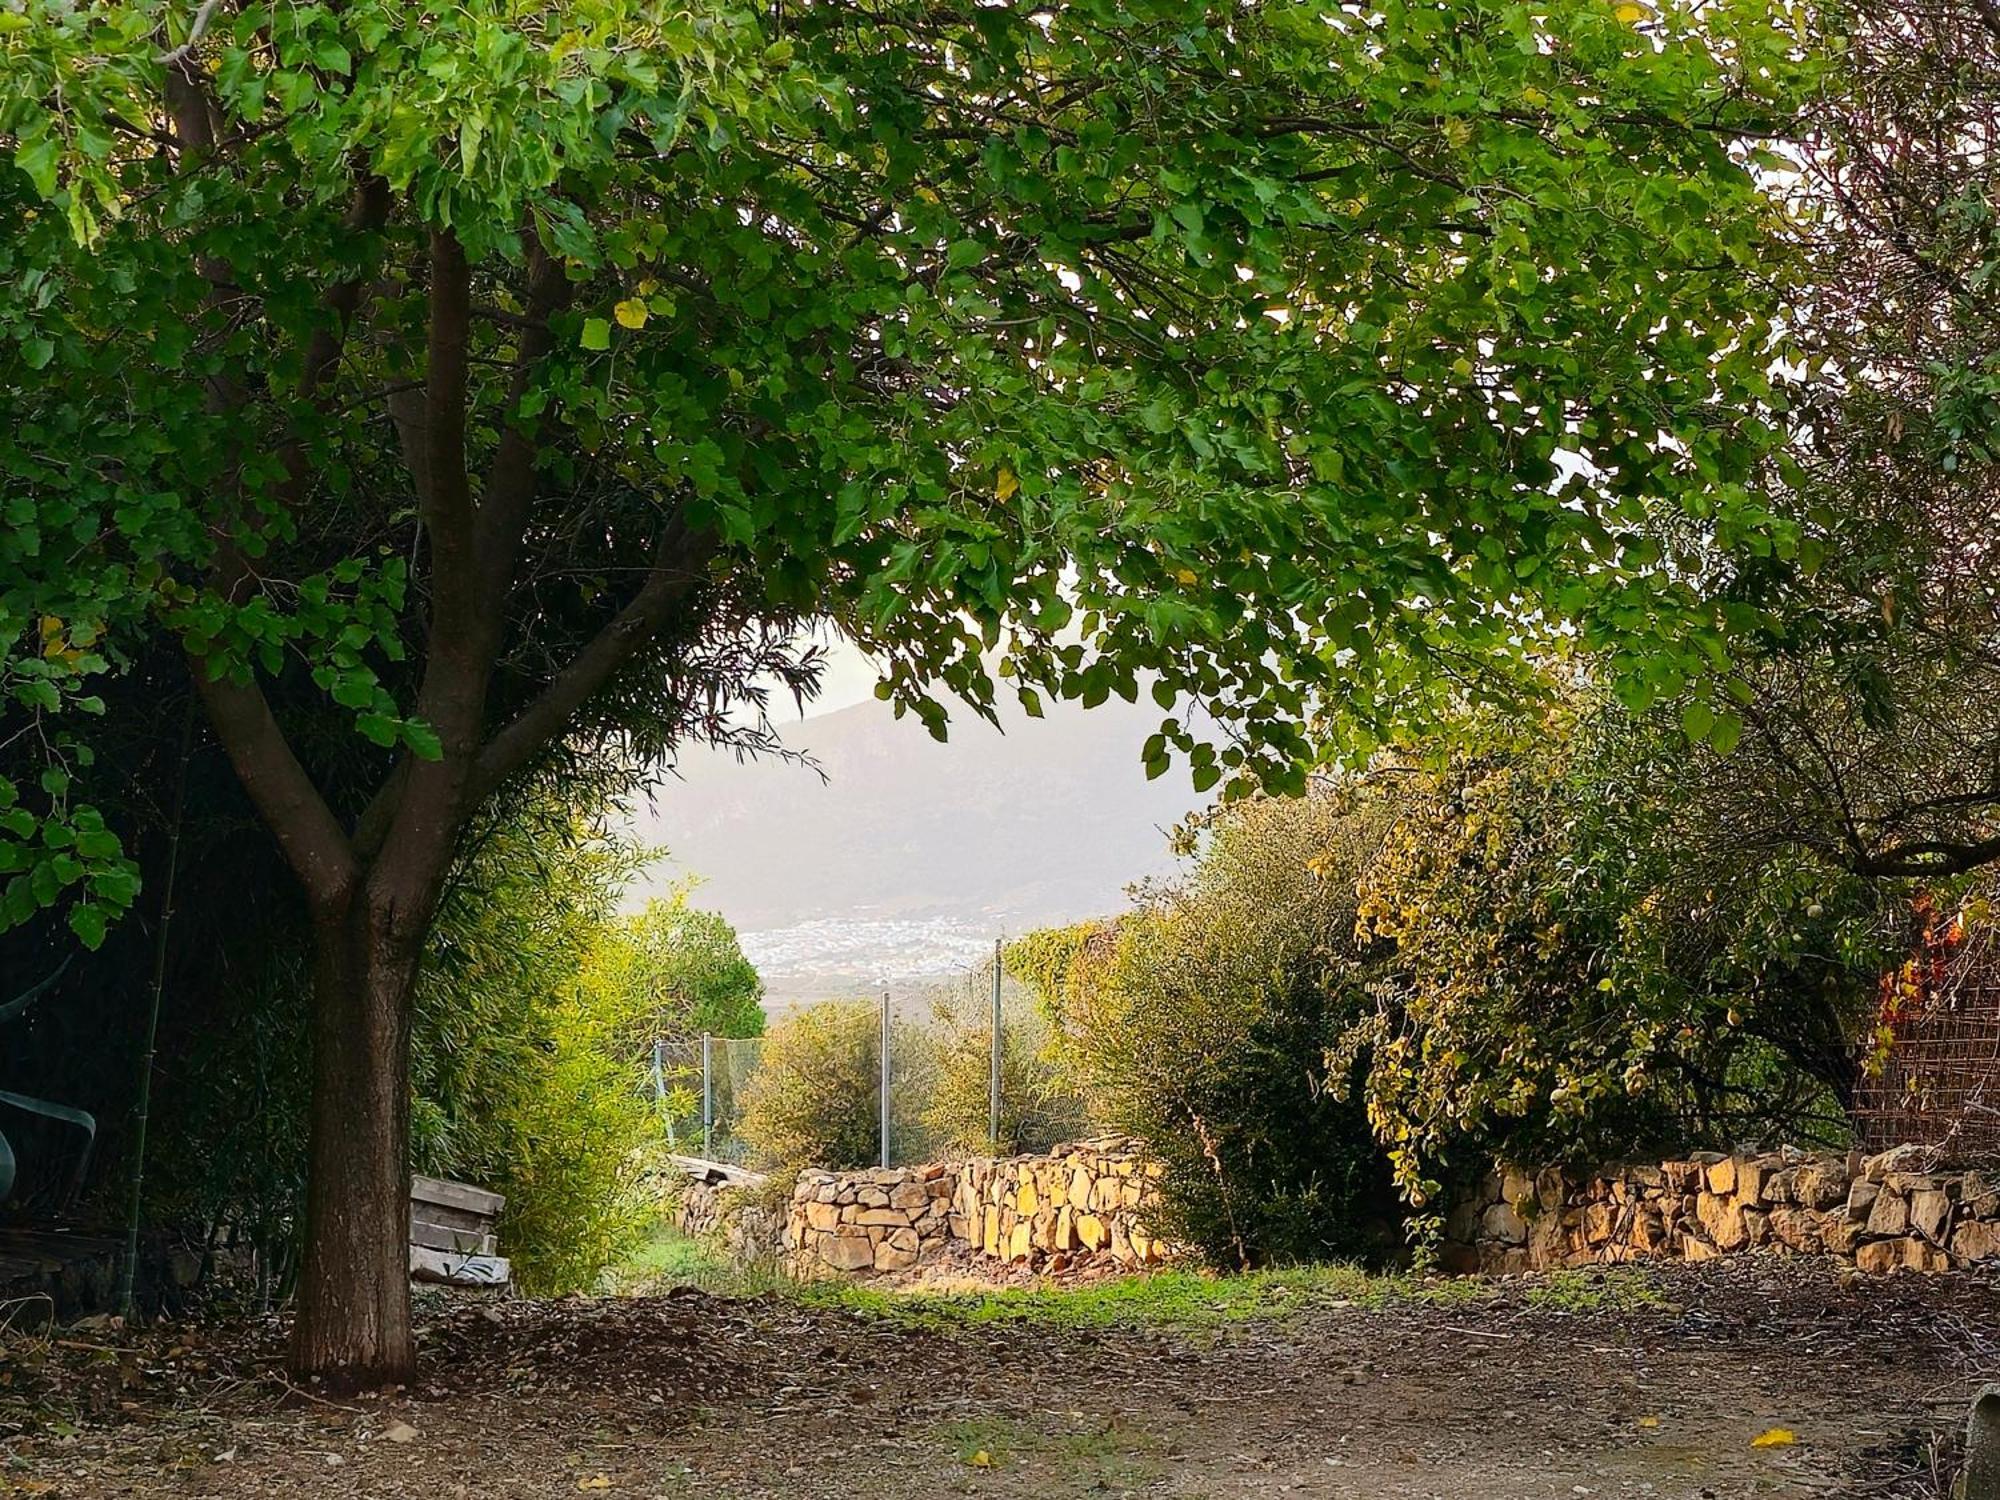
x,y
1649,1421
1777,1437
981,1460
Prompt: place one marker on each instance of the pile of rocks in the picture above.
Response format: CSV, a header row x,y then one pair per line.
x,y
882,1219
1883,1213
1077,1202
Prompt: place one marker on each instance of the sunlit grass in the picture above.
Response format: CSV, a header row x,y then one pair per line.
x,y
1166,1299
1162,1298
1614,1289
668,1258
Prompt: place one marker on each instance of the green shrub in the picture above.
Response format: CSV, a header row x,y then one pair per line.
x,y
1200,1021
1041,1104
815,1098
583,1138
1592,951
537,1015
670,974
525,1078
1560,941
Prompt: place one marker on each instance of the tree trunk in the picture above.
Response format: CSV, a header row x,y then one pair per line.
x,y
353,1330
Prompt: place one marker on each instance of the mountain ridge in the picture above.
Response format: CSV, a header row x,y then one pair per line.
x,y
1043,821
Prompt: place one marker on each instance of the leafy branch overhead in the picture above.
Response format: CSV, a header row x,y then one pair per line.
x,y
1321,367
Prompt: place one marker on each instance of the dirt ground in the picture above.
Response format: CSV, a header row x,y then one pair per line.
x,y
1517,1394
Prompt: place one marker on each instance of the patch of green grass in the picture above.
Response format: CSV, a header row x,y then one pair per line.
x,y
1170,1299
1617,1289
669,1258
1160,1299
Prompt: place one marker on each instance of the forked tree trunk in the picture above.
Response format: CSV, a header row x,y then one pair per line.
x,y
353,1330
373,884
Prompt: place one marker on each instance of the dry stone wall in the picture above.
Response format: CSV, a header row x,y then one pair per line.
x,y
1885,1212
1088,1204
1079,1202
882,1219
750,1229
1075,1205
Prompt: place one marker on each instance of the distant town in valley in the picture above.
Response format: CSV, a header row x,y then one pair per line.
x,y
893,859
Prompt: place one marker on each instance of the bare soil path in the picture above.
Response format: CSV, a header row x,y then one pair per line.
x,y
1518,1395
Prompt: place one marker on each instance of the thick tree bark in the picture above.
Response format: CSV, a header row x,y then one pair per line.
x,y
353,1330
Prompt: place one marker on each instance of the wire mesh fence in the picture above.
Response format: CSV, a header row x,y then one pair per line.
x,y
1935,1080
966,1065
700,1086
962,1065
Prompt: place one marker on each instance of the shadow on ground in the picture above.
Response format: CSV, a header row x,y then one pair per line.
x,y
1657,1383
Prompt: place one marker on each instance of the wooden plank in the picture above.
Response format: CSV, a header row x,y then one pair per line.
x,y
27,1250
451,1218
458,1270
451,1237
704,1170
456,1195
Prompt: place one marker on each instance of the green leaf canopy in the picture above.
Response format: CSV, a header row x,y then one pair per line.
x,y
1319,364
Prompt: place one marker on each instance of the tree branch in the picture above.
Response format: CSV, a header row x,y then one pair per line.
x,y
367,211
677,572
425,798
510,482
201,18
445,486
282,792
1927,857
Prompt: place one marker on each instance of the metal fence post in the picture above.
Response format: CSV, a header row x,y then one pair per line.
x,y
885,1078
993,1089
707,1096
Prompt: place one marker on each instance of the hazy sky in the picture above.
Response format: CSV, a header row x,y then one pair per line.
x,y
850,679
911,854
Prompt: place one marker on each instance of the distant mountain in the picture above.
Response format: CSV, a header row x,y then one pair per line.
x,y
912,855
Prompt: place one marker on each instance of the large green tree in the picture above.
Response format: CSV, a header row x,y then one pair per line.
x,y
479,368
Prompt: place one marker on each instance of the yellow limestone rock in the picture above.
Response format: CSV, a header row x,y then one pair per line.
x,y
1063,1237
1878,1257
1079,1189
847,1252
1975,1241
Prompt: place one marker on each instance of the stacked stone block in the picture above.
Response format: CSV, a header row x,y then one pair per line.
x,y
1079,1203
749,1229
1882,1213
883,1219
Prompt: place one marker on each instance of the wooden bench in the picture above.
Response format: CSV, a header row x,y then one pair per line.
x,y
452,1234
